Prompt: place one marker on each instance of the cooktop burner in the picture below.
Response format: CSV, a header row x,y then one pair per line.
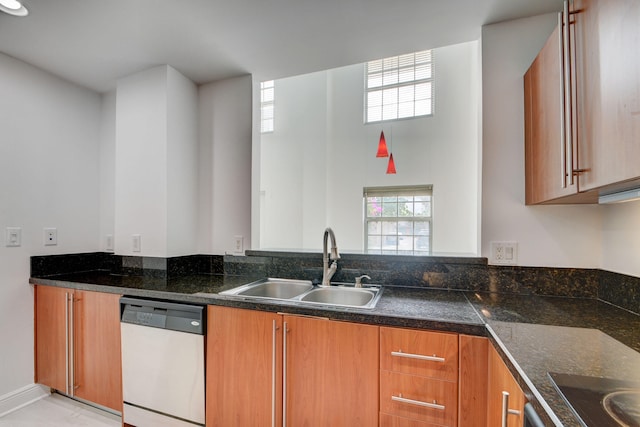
x,y
600,402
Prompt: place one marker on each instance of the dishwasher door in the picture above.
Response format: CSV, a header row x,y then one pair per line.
x,y
163,378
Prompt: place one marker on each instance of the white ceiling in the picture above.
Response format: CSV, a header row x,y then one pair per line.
x,y
94,42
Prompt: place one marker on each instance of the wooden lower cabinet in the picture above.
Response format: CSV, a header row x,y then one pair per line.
x,y
322,373
98,370
267,369
77,344
500,380
52,337
387,420
419,398
418,378
244,367
331,373
472,400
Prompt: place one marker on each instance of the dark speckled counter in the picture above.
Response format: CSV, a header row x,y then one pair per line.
x,y
443,310
534,334
538,335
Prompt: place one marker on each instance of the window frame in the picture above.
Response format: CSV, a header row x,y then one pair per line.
x,y
267,104
385,66
398,191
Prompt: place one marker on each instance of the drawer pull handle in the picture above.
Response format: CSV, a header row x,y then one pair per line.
x,y
433,405
433,358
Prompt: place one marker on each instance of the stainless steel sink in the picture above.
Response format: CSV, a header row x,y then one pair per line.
x,y
343,296
272,288
303,292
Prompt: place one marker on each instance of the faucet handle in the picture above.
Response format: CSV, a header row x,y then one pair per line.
x,y
359,280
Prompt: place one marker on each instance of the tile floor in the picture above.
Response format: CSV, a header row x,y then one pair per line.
x,y
59,411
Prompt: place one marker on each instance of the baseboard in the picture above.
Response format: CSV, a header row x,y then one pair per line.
x,y
22,397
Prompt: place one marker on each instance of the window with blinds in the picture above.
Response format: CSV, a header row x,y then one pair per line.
x,y
267,106
398,220
399,87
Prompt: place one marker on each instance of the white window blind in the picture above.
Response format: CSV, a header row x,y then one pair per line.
x,y
399,87
398,220
267,106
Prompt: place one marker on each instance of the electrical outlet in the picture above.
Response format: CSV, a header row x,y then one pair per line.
x,y
109,243
50,236
504,253
136,243
14,236
238,246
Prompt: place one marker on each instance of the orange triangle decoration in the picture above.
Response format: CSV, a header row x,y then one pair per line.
x,y
391,167
382,146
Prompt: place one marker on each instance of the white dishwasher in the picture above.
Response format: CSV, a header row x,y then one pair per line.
x,y
163,373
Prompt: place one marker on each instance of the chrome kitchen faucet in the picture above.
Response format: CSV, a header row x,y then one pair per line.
x,y
328,272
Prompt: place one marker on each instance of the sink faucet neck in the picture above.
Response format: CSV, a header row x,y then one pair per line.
x,y
329,271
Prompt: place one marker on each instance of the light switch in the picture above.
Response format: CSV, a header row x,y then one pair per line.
x,y
14,236
136,243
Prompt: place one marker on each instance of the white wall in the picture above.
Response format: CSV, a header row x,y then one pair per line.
x,y
107,158
49,175
141,162
225,111
182,165
621,238
321,155
553,236
156,163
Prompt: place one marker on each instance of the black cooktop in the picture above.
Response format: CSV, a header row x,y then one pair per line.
x,y
600,402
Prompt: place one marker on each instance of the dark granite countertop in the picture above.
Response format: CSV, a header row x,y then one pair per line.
x,y
534,334
443,310
538,335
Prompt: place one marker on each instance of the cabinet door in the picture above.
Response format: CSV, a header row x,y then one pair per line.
x,y
472,407
546,166
331,373
501,380
97,363
244,367
608,81
52,319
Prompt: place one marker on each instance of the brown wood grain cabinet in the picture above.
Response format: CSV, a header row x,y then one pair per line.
x,y
98,371
607,35
77,344
500,381
544,130
331,373
418,377
582,105
52,337
244,367
474,359
262,367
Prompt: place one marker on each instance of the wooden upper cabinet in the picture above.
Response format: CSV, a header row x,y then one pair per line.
x,y
607,35
499,381
331,373
585,140
51,337
546,166
244,367
98,366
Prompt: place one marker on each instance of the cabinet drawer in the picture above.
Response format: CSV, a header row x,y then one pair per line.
x,y
428,354
419,398
387,420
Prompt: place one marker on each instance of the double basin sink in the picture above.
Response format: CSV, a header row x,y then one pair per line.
x,y
304,292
